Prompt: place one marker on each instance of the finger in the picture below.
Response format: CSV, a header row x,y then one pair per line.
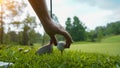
x,y
67,44
53,40
67,37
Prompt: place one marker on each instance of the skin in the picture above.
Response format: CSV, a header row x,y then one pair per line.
x,y
50,28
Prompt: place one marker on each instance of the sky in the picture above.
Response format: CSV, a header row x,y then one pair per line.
x,y
92,13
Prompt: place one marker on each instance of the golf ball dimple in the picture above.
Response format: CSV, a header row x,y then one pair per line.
x,y
61,45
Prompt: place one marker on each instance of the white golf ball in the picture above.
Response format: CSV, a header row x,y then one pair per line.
x,y
61,45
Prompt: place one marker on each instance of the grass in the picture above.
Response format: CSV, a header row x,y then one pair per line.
x,y
81,55
110,46
70,59
104,48
112,39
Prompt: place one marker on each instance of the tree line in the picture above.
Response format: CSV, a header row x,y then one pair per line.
x,y
24,31
28,35
13,30
78,30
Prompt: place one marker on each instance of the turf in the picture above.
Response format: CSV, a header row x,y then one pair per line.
x,y
105,54
109,45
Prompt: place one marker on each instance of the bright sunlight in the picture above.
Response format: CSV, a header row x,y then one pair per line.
x,y
0,1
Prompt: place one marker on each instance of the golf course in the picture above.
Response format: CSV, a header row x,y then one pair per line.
x,y
110,46
104,54
59,34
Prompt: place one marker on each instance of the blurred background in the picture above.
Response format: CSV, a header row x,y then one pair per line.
x,y
85,20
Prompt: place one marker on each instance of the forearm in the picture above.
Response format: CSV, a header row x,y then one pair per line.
x,y
40,8
51,29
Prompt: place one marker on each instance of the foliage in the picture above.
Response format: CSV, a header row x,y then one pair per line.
x,y
80,55
45,39
76,29
60,38
69,59
35,37
9,10
113,28
25,33
12,36
99,30
111,39
91,36
55,18
17,38
103,31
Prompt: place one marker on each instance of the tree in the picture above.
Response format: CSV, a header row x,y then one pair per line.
x,y
9,9
100,30
113,28
76,29
25,36
55,18
45,39
35,37
29,25
91,36
13,37
68,25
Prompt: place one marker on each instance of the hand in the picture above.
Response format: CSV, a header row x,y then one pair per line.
x,y
54,29
51,29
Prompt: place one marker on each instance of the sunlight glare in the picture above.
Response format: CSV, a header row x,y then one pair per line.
x,y
0,1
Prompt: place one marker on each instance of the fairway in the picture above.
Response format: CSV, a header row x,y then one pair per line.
x,y
110,46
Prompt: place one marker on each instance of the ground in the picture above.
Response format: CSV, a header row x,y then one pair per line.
x,y
105,54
